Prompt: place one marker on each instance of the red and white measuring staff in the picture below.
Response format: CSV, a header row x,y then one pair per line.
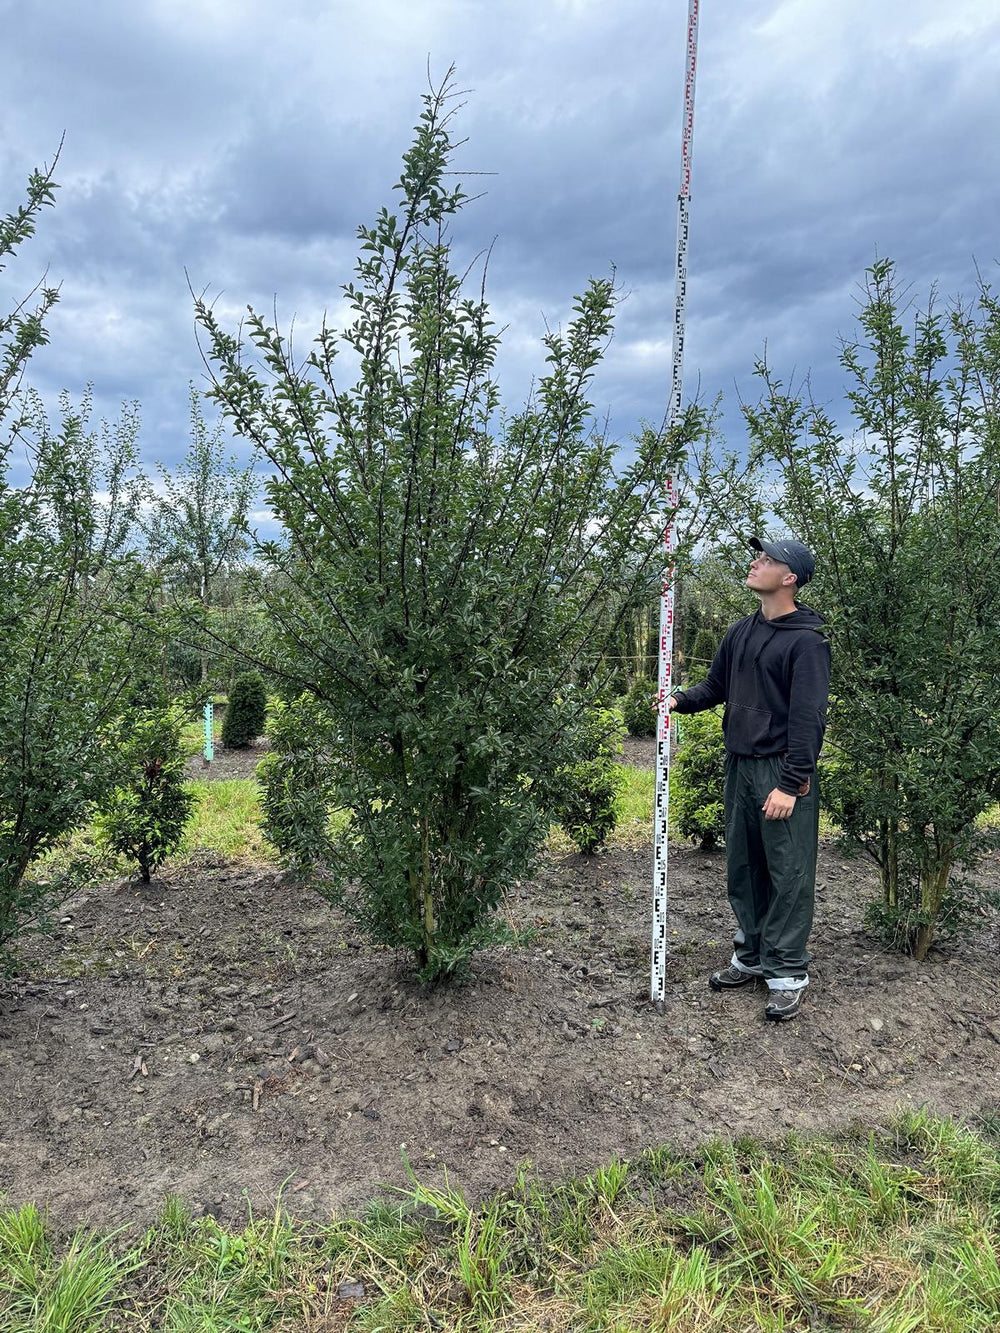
x,y
658,976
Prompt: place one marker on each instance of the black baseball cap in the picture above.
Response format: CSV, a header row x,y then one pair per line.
x,y
799,559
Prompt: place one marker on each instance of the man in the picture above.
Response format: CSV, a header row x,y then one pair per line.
x,y
772,671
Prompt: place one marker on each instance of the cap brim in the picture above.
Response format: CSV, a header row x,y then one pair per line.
x,y
768,548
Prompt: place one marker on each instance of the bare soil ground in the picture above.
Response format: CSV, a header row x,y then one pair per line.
x,y
224,1031
230,763
639,751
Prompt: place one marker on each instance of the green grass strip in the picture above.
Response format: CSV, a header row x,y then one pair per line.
x,y
226,819
890,1233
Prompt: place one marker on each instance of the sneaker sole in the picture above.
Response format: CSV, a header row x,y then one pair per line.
x,y
774,1017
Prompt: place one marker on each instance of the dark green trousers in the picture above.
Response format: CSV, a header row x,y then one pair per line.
x,y
771,870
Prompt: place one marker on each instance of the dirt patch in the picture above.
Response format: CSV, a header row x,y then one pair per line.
x,y
229,763
639,751
224,1031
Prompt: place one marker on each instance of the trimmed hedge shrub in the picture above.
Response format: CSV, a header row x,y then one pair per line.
x,y
246,711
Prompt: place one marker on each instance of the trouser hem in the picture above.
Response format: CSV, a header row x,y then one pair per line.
x,y
742,967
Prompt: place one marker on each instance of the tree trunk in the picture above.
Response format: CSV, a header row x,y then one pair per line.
x,y
427,920
922,938
204,608
933,883
204,664
889,862
888,866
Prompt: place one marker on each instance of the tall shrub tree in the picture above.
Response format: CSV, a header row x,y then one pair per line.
x,y
68,497
903,511
451,571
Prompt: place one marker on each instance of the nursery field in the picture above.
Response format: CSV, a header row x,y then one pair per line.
x,y
280,1128
223,1033
223,1109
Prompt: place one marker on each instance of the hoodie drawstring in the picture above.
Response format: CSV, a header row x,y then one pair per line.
x,y
761,649
746,640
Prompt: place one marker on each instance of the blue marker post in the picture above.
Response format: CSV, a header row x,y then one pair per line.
x,y
209,732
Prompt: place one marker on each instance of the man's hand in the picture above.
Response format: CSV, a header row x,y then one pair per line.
x,y
779,805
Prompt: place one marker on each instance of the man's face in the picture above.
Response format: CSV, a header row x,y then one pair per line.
x,y
767,575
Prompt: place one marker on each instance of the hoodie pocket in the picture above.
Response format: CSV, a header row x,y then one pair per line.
x,y
747,730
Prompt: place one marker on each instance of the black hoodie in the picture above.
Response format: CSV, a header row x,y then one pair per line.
x,y
774,678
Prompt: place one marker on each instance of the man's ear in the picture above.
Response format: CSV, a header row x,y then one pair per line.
x,y
790,578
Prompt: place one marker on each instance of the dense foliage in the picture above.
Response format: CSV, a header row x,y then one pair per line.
x,y
144,815
69,496
697,779
246,711
587,789
299,788
639,707
452,572
903,512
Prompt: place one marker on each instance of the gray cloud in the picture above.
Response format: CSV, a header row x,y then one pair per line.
x,y
245,146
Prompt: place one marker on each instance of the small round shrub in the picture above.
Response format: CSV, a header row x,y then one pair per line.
x,y
144,816
246,711
587,805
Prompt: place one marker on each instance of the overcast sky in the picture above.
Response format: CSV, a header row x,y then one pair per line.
x,y
244,141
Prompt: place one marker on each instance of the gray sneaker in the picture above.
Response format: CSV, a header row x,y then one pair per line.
x,y
729,978
783,1004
